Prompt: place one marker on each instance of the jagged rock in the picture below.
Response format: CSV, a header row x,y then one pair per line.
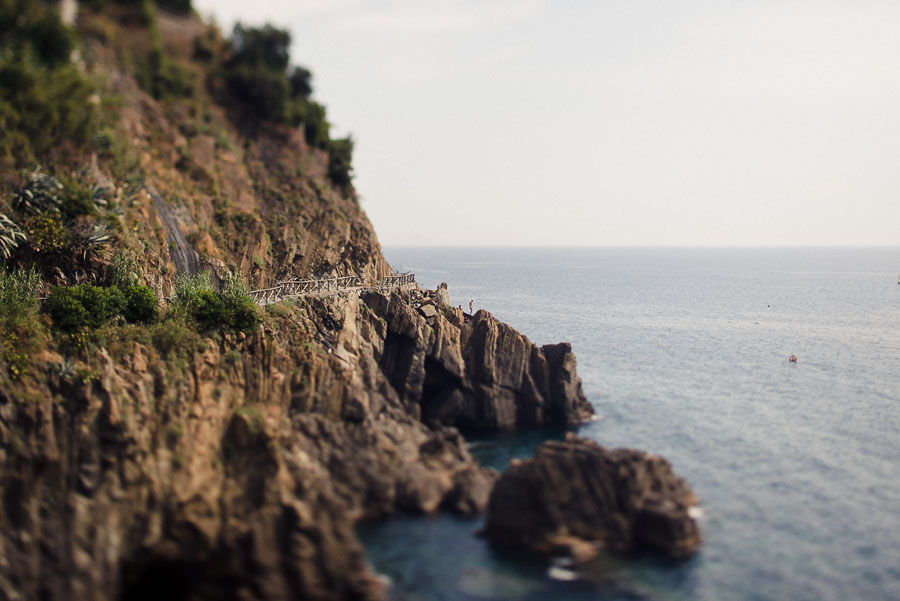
x,y
427,311
234,481
577,497
442,295
235,467
476,373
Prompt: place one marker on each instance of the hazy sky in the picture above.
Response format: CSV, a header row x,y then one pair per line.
x,y
606,123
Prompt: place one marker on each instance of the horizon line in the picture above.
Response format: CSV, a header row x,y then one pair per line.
x,y
653,246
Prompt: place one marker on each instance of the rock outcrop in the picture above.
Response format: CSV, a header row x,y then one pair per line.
x,y
163,463
238,467
576,497
475,372
234,471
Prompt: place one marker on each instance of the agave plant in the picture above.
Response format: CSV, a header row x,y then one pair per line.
x,y
10,236
64,370
99,195
97,239
39,194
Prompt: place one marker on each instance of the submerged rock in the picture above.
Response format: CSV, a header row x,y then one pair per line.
x,y
576,497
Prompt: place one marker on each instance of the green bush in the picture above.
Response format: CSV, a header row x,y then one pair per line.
x,y
141,305
311,115
188,290
33,27
21,331
78,201
18,295
340,162
75,308
45,233
158,74
242,310
177,6
262,92
231,309
257,76
44,99
122,270
300,81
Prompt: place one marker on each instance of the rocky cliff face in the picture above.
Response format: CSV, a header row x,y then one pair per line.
x,y
576,497
238,469
165,464
474,372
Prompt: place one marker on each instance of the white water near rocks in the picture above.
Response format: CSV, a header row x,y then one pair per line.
x,y
684,353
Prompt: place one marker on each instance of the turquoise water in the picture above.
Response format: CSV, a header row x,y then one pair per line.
x,y
684,353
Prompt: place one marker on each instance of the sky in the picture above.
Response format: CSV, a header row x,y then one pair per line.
x,y
609,122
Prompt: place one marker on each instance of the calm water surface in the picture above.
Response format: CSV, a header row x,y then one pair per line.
x,y
684,353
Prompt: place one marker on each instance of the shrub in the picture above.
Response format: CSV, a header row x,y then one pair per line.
x,y
44,99
263,92
74,308
33,27
257,76
242,310
177,6
78,201
158,74
208,310
21,332
340,162
18,295
188,289
233,308
122,271
141,305
300,81
311,115
45,233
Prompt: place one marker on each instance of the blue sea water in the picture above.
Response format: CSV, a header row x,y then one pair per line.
x,y
683,352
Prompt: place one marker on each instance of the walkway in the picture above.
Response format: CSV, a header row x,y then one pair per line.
x,y
326,287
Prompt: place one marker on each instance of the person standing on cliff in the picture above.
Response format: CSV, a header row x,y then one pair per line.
x,y
470,307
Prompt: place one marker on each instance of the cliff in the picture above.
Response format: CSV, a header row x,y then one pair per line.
x,y
166,458
238,468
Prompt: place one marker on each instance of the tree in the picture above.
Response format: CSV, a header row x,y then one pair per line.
x,y
340,161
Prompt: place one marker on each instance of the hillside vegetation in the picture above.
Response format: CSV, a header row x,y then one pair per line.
x,y
145,156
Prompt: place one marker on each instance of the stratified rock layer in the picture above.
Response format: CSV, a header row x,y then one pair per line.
x,y
475,372
240,470
576,496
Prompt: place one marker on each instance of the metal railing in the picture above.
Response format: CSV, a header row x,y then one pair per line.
x,y
294,288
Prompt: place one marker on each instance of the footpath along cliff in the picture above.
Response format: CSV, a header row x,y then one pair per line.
x,y
161,436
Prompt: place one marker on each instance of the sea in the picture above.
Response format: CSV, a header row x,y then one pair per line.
x,y
684,353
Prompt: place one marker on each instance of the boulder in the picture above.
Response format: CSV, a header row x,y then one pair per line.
x,y
427,311
442,295
575,496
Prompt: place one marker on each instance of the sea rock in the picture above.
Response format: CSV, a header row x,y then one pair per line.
x,y
475,372
576,495
442,295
